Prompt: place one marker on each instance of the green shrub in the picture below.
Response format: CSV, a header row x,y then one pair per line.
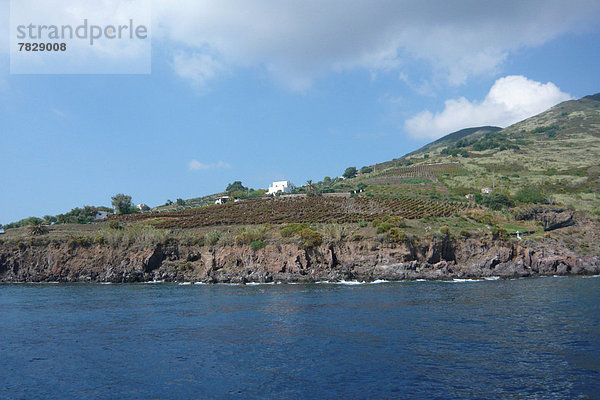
x,y
213,237
396,235
84,241
397,221
531,195
445,230
114,224
310,238
249,235
497,201
292,229
258,244
465,234
363,224
384,227
99,239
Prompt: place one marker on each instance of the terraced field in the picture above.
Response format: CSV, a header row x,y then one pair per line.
x,y
310,210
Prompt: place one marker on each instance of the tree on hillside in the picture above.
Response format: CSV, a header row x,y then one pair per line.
x,y
37,227
366,170
497,201
237,185
122,203
238,194
50,219
311,190
350,172
180,202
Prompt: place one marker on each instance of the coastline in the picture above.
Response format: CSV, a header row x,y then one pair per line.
x,y
441,258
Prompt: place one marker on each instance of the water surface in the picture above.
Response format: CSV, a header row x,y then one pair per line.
x,y
520,339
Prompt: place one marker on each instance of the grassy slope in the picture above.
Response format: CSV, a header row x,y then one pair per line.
x,y
558,151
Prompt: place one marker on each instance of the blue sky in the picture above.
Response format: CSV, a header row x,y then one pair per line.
x,y
260,91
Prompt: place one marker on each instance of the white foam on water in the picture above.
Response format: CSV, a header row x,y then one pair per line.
x,y
259,283
105,283
491,278
558,276
464,280
378,281
592,276
154,282
200,283
184,283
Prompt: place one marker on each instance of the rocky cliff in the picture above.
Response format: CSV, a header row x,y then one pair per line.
x,y
438,258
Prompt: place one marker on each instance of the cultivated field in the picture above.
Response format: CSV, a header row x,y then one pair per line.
x,y
309,210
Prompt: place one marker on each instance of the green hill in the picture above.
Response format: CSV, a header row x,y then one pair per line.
x,y
555,153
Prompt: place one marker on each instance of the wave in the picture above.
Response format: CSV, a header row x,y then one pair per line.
x,y
591,276
457,280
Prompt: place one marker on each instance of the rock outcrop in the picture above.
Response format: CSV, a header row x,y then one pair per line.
x,y
551,217
439,258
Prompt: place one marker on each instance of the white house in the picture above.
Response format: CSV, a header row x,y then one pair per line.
x,y
222,200
281,187
1,231
100,215
486,190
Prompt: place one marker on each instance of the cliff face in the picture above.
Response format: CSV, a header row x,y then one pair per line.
x,y
441,258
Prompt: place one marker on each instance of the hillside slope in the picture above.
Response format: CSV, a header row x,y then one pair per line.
x,y
556,153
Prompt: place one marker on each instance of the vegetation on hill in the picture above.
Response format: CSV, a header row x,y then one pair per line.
x,y
473,179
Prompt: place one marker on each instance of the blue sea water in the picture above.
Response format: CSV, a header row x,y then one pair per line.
x,y
521,339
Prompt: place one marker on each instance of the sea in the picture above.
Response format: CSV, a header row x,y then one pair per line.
x,y
535,338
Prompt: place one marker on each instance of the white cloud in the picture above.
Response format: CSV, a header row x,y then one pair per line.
x,y
297,41
196,165
198,68
511,99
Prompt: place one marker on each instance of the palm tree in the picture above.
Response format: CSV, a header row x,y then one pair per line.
x,y
37,227
311,190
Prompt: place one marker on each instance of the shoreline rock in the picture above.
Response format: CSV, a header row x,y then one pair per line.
x,y
442,258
